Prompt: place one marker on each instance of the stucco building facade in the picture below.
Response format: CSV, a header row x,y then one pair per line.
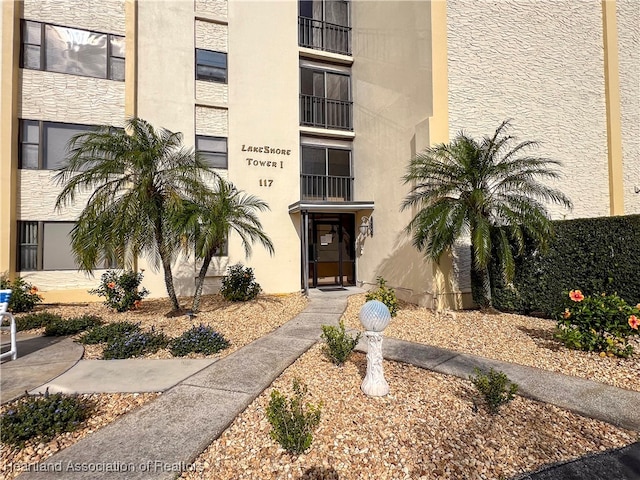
x,y
316,107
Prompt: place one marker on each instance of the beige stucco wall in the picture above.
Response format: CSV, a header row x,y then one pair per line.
x,y
391,79
628,13
211,8
263,110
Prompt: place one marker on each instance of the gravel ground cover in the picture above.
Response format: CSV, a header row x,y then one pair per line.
x,y
507,337
426,428
429,427
108,407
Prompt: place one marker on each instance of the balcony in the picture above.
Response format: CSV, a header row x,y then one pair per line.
x,y
324,36
326,113
326,188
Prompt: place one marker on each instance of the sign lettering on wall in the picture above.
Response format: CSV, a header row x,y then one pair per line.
x,y
261,162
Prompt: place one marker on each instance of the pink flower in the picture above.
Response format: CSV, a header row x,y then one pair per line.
x,y
576,295
111,285
566,313
634,322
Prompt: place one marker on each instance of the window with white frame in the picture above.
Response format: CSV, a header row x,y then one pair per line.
x,y
213,150
55,48
44,145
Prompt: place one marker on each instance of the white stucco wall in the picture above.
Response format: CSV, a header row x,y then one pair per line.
x,y
628,15
211,36
211,8
541,63
100,16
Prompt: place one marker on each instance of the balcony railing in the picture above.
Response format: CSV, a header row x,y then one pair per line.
x,y
326,113
325,36
327,188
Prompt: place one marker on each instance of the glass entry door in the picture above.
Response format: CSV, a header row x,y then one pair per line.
x,y
331,250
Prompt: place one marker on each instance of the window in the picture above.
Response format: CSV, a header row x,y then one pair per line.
x,y
43,145
45,246
324,25
211,66
213,150
70,50
325,99
326,173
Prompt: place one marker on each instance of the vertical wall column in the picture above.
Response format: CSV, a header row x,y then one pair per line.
x,y
612,98
11,13
131,59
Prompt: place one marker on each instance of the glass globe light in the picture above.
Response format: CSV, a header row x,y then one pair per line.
x,y
374,316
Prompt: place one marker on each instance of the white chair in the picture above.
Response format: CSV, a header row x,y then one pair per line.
x,y
5,295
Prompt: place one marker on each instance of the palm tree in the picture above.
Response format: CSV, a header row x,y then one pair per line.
x,y
207,224
486,189
137,176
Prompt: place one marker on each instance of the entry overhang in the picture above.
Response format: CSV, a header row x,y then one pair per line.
x,y
329,207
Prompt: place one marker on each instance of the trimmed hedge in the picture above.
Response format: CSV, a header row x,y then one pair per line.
x,y
594,255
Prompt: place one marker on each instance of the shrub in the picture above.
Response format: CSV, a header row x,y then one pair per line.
x,y
239,284
599,254
386,295
108,333
36,320
202,339
601,323
495,387
24,296
135,344
121,290
43,416
293,421
338,344
71,326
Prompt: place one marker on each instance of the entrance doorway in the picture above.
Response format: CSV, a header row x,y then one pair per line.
x,y
331,250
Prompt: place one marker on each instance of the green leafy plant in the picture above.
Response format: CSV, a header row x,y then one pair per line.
x,y
292,420
135,344
24,296
43,417
36,320
386,295
201,339
495,387
239,284
108,332
121,290
599,323
71,326
338,344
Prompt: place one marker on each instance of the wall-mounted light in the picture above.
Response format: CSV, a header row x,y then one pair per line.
x,y
366,226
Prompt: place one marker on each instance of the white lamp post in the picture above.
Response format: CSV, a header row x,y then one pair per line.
x,y
374,316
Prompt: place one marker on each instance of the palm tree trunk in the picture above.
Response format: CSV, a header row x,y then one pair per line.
x,y
166,266
200,283
481,286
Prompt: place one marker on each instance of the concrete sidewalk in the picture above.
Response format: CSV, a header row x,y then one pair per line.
x,y
171,431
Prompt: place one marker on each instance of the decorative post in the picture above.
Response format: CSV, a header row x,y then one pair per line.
x,y
374,316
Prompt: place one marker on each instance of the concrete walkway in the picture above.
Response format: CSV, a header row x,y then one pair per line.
x,y
171,431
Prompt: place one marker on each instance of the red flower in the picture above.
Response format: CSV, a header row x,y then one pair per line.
x,y
33,290
137,304
576,295
634,322
111,285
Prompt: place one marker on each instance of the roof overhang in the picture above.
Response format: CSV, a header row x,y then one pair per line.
x,y
329,207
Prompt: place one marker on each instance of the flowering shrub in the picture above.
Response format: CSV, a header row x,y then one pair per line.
x,y
108,333
239,284
43,416
24,296
598,323
202,339
135,344
121,290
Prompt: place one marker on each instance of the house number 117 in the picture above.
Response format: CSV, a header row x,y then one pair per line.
x,y
266,182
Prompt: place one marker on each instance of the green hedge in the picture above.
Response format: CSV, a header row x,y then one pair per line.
x,y
594,255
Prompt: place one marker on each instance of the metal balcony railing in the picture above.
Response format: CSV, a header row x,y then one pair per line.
x,y
327,188
325,36
326,113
